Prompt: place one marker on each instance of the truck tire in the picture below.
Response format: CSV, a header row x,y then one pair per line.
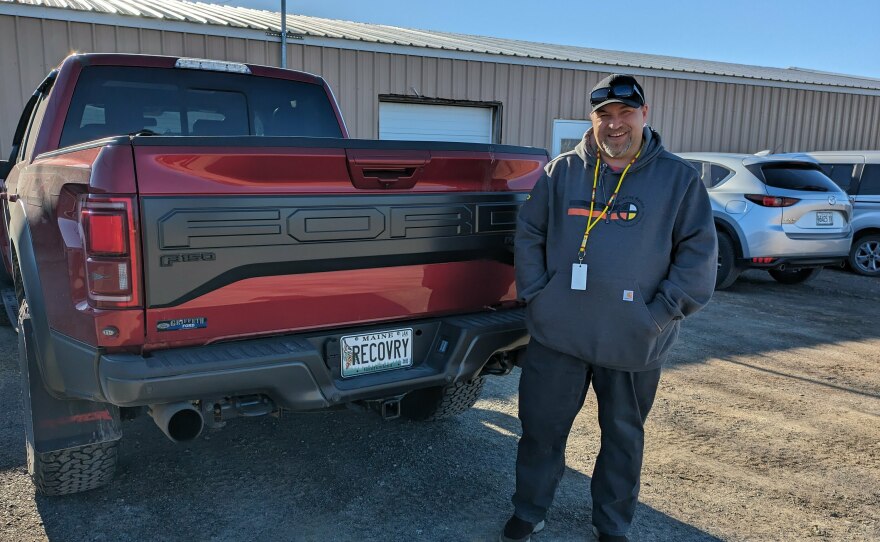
x,y
798,276
8,305
10,293
4,318
65,471
442,402
864,256
728,271
5,277
73,470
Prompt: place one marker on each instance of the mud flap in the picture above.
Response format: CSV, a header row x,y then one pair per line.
x,y
56,424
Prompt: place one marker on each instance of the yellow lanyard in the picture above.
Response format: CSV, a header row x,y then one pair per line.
x,y
591,223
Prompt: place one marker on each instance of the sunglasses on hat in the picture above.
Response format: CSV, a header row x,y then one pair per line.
x,y
622,91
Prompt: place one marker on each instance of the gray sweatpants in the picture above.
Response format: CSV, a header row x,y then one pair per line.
x,y
552,389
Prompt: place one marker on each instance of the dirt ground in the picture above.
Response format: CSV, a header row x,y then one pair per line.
x,y
766,427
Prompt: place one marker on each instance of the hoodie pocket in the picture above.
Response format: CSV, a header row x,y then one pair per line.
x,y
608,324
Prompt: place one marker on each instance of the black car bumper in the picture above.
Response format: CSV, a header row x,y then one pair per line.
x,y
302,372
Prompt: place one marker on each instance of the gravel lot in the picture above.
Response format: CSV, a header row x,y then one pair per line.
x,y
766,427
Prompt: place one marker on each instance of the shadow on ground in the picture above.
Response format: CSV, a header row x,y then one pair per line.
x,y
334,476
758,315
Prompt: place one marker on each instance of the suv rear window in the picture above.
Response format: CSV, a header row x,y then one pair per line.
x,y
794,176
112,101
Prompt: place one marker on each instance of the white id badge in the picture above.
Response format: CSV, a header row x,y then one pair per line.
x,y
578,276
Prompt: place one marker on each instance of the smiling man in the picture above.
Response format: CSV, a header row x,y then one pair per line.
x,y
614,247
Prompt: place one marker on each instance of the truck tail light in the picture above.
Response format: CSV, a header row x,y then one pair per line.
x,y
105,232
108,227
771,201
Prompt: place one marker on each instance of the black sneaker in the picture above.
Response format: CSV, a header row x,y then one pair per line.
x,y
603,537
519,530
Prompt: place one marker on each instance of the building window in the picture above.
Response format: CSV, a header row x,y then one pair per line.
x,y
567,134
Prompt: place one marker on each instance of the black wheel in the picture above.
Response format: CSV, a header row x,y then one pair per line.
x,y
864,256
66,471
798,276
8,305
728,271
11,294
442,402
73,470
5,277
4,316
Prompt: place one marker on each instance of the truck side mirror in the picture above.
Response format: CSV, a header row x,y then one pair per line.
x,y
5,167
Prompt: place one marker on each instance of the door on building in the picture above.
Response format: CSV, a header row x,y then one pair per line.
x,y
567,134
433,122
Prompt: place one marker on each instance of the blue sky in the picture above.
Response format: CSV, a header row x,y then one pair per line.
x,y
835,36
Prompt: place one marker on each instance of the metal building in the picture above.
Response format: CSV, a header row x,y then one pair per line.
x,y
411,84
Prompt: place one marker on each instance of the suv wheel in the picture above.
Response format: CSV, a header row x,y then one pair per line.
x,y
864,256
728,271
796,276
442,402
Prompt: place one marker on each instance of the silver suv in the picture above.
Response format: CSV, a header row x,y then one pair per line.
x,y
774,212
858,173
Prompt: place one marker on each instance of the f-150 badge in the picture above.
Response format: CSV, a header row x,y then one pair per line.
x,y
168,260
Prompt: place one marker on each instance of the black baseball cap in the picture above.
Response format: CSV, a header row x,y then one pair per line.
x,y
619,88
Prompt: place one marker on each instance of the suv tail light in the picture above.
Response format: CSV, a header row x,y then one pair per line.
x,y
771,201
109,232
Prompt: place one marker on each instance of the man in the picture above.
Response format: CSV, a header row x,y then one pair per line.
x,y
614,247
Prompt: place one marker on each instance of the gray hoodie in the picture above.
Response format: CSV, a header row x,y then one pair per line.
x,y
651,261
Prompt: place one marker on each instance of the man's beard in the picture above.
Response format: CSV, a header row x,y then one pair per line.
x,y
619,150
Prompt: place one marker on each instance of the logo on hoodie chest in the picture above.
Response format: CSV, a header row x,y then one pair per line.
x,y
627,210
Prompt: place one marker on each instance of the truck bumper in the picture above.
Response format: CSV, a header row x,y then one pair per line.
x,y
302,371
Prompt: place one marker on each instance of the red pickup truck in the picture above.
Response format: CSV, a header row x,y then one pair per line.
x,y
200,240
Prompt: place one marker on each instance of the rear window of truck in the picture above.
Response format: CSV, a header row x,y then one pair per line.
x,y
111,101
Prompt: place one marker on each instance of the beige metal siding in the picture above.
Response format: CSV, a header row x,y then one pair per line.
x,y
691,115
10,89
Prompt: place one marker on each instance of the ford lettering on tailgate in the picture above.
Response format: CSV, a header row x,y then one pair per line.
x,y
213,228
222,240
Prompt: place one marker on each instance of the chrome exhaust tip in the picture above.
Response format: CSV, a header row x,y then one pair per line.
x,y
181,422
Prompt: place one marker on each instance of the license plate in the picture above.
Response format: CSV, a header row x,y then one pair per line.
x,y
373,352
824,218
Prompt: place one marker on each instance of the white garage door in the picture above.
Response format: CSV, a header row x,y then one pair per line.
x,y
427,122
